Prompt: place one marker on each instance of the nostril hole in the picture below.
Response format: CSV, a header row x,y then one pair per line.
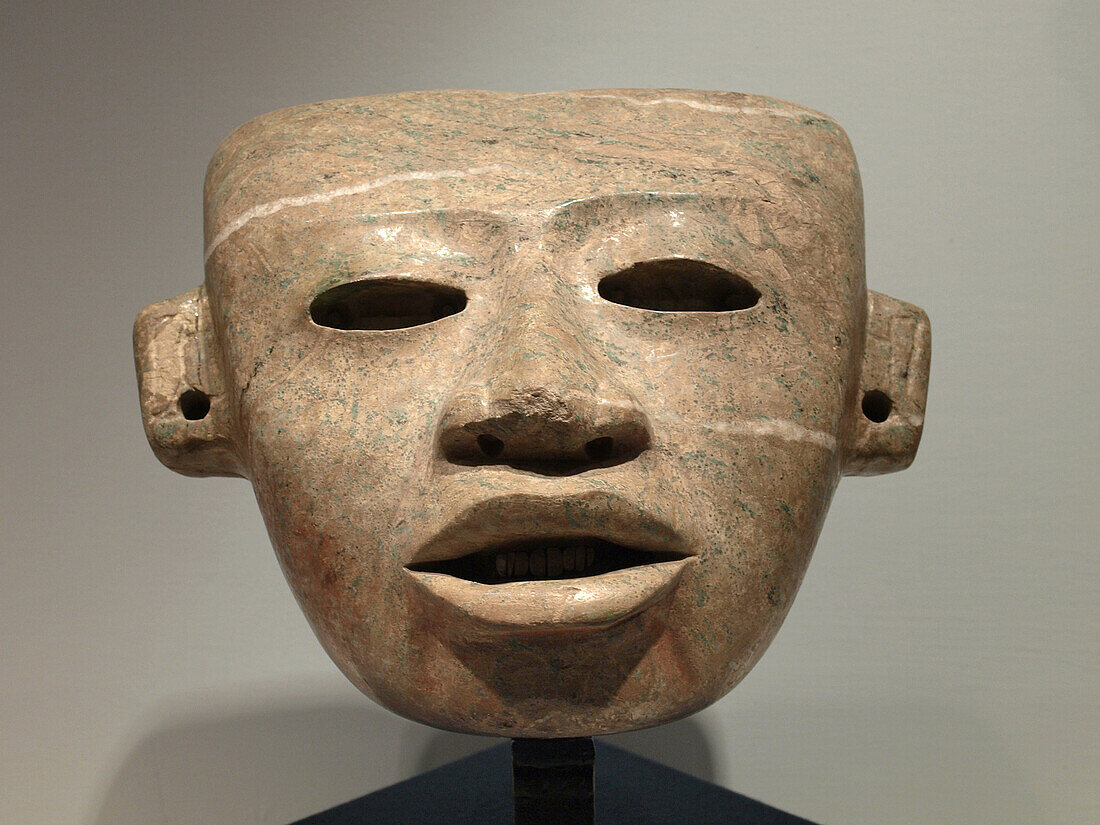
x,y
490,445
876,406
194,404
599,449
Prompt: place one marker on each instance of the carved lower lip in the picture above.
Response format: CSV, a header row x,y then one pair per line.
x,y
551,598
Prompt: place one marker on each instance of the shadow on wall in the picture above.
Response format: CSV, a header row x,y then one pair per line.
x,y
272,761
859,762
265,762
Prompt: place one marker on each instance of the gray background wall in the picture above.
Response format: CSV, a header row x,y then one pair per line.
x,y
940,664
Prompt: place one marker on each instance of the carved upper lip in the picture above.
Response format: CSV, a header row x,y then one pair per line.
x,y
507,519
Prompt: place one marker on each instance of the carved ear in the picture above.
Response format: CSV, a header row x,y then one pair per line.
x,y
889,414
183,405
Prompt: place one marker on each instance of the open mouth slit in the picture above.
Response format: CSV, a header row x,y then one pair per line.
x,y
544,560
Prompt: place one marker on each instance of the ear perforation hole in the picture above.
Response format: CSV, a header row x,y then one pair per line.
x,y
876,406
679,285
194,404
385,303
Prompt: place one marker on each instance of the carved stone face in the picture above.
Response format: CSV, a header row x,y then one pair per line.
x,y
543,397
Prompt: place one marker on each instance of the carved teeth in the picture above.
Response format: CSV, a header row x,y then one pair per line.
x,y
550,560
544,562
553,562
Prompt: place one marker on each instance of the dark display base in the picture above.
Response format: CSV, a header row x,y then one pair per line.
x,y
477,790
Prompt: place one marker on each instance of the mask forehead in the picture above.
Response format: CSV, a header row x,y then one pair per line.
x,y
523,153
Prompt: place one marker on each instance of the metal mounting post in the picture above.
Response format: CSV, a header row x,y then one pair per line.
x,y
552,781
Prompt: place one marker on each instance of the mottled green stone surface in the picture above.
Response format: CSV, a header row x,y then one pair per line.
x,y
540,412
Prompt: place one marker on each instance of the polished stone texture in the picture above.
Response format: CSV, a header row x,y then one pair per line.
x,y
543,397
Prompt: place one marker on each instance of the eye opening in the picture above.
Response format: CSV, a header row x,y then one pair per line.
x,y
385,303
679,285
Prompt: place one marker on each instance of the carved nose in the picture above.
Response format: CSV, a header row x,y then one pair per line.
x,y
535,425
544,402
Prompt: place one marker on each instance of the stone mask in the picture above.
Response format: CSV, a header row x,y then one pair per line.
x,y
543,397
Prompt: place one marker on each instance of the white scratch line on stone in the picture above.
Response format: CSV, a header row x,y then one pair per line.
x,y
696,104
772,427
270,208
786,430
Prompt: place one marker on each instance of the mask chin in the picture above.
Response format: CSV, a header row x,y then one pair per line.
x,y
888,415
183,403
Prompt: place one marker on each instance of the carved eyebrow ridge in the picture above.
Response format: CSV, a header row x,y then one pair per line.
x,y
656,199
264,210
